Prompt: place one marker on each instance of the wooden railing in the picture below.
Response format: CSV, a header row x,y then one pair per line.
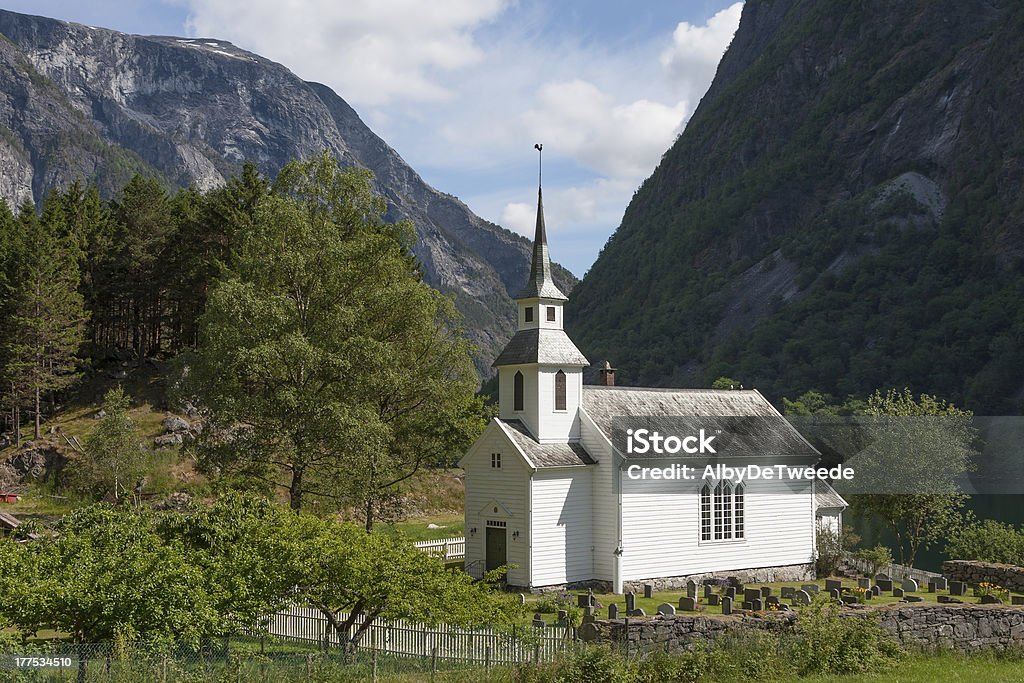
x,y
446,548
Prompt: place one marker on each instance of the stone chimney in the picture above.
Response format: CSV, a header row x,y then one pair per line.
x,y
607,375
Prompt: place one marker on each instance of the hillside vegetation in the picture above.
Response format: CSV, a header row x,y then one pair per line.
x,y
842,212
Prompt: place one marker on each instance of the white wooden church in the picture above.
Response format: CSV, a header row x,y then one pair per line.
x,y
547,491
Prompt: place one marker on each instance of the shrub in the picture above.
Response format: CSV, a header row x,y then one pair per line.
x,y
830,552
877,558
828,643
987,541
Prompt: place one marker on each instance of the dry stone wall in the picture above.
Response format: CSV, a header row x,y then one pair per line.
x,y
1005,575
960,627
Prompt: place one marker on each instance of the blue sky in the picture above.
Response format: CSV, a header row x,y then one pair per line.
x,y
464,88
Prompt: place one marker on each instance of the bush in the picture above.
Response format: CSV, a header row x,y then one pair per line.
x,y
830,552
987,541
828,643
877,558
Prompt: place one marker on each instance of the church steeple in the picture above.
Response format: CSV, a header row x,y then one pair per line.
x,y
540,283
540,371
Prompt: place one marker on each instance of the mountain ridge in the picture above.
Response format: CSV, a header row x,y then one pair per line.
x,y
85,102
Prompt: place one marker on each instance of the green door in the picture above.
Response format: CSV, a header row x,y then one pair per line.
x,y
495,548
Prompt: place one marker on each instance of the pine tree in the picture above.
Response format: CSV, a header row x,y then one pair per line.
x,y
48,313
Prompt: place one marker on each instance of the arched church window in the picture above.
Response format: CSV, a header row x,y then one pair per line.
x,y
560,390
517,391
738,518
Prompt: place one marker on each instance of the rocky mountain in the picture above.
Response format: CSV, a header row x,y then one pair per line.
x,y
843,212
90,103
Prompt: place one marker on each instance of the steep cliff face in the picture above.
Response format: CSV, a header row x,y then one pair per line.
x,y
841,213
82,102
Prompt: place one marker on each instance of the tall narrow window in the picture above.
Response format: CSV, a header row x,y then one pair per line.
x,y
738,517
705,513
551,314
726,510
559,390
517,391
719,496
528,314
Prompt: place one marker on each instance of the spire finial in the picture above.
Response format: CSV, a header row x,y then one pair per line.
x,y
540,164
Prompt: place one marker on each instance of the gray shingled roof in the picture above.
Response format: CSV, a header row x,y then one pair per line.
x,y
826,497
764,432
546,454
540,284
526,347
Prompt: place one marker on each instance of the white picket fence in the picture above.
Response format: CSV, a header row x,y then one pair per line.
x,y
447,548
403,638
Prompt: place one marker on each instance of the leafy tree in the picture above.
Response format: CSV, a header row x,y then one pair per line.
x,y
341,568
334,370
113,461
725,383
986,541
923,457
877,558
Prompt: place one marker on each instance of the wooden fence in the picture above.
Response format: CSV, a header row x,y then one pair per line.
x,y
446,548
895,571
443,642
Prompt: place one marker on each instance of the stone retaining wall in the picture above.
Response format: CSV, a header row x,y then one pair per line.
x,y
1005,575
792,572
959,627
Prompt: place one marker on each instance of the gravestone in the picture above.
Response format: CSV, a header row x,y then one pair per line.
x,y
882,577
726,605
691,589
835,594
833,585
587,619
849,599
783,607
863,583
946,600
714,599
884,585
638,612
686,604
897,592
876,591
772,600
563,617
932,586
788,592
802,597
582,600
909,585
747,605
538,623
957,588
590,595
868,595
1017,599
648,590
667,609
940,583
613,611
766,591
589,611
811,588
756,605
522,599
731,592
990,600
709,590
913,598
751,594
630,602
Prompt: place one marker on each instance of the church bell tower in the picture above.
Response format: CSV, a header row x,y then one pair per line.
x,y
540,371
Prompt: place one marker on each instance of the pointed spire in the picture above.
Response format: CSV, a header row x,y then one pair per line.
x,y
540,283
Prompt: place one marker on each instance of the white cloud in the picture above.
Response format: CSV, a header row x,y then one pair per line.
x,y
693,57
372,51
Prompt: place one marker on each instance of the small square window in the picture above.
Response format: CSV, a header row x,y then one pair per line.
x,y
528,314
551,314
496,460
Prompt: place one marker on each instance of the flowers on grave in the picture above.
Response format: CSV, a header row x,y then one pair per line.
x,y
986,588
860,593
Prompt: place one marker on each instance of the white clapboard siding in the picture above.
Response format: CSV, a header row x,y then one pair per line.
x,y
661,529
508,486
562,530
445,548
604,501
403,638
